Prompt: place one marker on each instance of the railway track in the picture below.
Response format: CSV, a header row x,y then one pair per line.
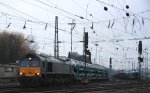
x,y
88,89
9,90
77,88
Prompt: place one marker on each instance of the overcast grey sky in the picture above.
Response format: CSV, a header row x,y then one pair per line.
x,y
113,31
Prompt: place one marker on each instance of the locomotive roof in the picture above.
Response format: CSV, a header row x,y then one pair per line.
x,y
42,57
73,62
49,59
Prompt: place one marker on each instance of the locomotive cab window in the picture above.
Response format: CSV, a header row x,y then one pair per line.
x,y
49,66
24,63
35,63
27,63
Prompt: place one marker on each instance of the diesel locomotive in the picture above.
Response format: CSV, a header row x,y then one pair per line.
x,y
37,69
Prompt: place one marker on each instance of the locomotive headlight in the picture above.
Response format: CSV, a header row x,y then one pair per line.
x,y
38,73
30,58
21,73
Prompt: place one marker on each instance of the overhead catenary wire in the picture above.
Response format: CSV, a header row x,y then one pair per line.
x,y
32,21
46,9
21,12
74,14
52,23
60,9
122,9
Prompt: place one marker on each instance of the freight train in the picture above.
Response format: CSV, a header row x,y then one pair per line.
x,y
37,69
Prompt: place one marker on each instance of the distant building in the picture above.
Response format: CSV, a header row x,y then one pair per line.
x,y
8,70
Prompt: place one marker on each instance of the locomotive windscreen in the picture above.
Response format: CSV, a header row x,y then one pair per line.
x,y
24,63
31,63
35,63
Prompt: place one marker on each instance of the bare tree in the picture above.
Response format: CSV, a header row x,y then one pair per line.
x,y
12,47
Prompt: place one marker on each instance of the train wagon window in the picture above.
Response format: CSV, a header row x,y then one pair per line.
x,y
49,67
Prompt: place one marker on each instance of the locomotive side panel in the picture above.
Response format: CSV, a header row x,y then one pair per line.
x,y
49,66
43,67
62,68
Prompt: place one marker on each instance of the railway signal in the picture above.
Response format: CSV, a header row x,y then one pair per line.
x,y
86,40
140,59
110,65
110,62
86,52
140,47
